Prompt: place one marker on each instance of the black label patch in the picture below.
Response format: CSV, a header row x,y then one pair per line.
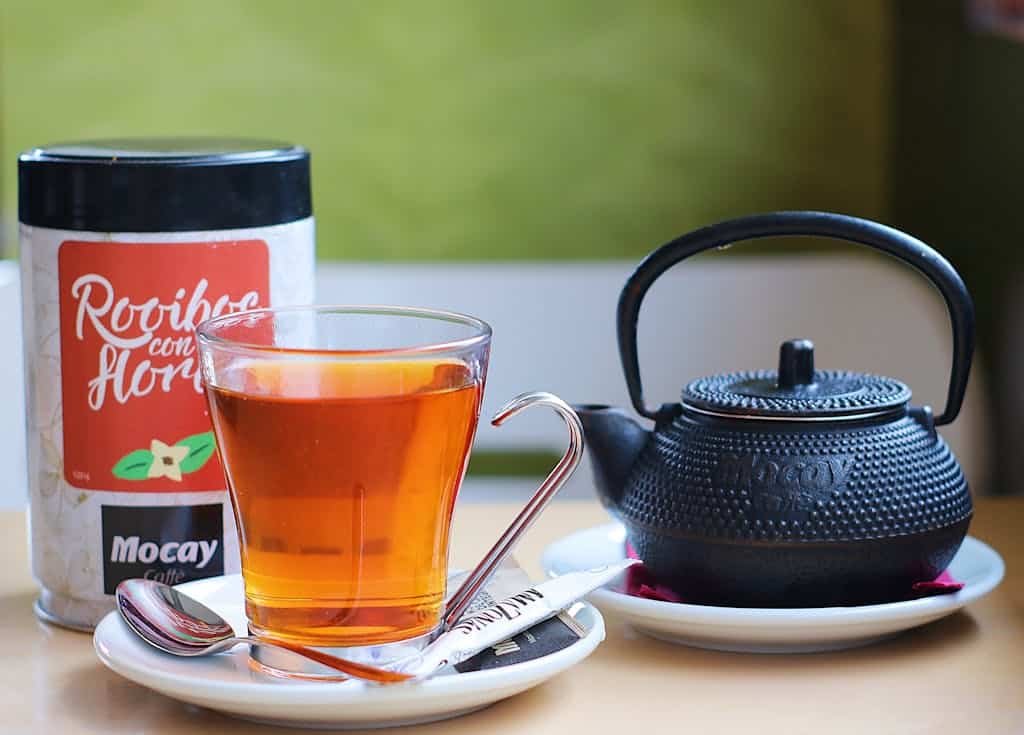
x,y
171,544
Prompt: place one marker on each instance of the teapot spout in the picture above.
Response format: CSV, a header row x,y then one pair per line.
x,y
614,441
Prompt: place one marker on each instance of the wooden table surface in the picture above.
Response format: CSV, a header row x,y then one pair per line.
x,y
962,674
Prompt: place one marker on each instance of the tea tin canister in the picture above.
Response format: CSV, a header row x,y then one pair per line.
x,y
127,245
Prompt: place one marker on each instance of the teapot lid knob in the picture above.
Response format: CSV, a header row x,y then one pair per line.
x,y
796,363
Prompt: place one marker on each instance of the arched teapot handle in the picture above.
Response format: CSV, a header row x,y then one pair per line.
x,y
817,224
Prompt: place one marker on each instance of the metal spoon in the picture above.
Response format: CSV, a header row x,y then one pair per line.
x,y
175,623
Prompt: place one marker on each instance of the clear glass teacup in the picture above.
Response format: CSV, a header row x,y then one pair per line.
x,y
344,433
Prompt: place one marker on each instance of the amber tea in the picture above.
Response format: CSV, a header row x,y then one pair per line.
x,y
343,475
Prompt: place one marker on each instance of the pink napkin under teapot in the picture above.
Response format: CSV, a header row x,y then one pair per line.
x,y
641,583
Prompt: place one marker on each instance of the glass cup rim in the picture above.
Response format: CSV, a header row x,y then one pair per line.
x,y
482,334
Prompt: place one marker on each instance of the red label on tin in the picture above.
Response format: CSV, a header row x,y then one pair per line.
x,y
135,418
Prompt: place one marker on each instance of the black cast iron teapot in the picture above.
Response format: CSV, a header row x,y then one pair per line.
x,y
792,487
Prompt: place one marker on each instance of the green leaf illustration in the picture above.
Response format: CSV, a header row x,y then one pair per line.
x,y
200,449
134,465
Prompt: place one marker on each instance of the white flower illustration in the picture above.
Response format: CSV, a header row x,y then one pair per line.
x,y
166,460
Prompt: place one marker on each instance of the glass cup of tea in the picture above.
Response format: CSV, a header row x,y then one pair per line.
x,y
344,433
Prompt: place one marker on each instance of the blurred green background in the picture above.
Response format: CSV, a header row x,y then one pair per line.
x,y
578,129
469,130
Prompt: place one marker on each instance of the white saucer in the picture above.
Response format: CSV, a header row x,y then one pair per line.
x,y
225,682
769,630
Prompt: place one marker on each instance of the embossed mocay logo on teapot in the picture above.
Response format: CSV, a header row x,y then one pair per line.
x,y
783,483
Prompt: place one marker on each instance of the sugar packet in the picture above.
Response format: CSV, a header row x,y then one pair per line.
x,y
512,621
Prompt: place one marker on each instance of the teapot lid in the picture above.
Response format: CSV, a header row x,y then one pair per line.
x,y
796,391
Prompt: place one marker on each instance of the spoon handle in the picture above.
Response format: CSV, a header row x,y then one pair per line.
x,y
353,669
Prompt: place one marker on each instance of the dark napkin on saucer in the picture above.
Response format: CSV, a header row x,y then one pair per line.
x,y
641,583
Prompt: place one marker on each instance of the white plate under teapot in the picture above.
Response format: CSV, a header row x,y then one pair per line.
x,y
769,630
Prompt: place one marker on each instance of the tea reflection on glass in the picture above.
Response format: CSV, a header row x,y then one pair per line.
x,y
344,435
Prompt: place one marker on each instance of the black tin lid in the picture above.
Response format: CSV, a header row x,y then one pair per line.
x,y
796,391
163,185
